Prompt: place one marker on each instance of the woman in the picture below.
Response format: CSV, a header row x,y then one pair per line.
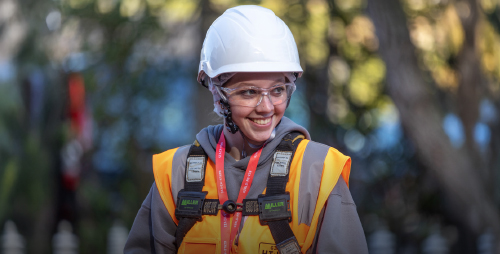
x,y
256,184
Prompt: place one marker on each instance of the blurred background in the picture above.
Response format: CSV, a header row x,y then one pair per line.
x,y
91,89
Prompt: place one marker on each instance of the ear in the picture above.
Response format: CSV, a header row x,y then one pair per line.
x,y
218,109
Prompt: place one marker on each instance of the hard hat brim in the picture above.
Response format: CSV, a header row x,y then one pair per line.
x,y
249,67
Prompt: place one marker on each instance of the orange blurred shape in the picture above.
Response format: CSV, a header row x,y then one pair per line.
x,y
76,89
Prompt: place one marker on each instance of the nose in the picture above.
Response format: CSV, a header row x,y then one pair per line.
x,y
265,104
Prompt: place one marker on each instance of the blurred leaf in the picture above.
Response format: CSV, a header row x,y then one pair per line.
x,y
365,84
7,181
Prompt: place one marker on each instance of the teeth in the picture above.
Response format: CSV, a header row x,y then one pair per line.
x,y
262,121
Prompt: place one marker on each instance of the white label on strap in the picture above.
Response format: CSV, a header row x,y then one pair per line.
x,y
280,163
289,246
195,171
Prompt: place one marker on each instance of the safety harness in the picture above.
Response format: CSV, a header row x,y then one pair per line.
x,y
273,208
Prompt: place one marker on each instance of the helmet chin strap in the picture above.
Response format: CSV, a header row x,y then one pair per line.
x,y
230,125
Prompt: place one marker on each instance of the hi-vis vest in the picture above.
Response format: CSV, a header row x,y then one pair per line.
x,y
204,236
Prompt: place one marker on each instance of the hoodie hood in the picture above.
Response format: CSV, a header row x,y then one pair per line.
x,y
209,136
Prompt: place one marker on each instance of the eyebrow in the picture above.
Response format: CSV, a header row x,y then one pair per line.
x,y
279,80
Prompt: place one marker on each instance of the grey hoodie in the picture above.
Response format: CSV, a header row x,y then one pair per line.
x,y
339,229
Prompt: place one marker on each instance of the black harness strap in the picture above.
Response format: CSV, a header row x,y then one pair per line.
x,y
193,182
276,188
276,183
196,154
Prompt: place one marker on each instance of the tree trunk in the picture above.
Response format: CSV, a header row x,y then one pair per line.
x,y
202,97
471,87
421,118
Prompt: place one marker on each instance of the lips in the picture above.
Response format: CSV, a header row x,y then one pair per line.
x,y
261,121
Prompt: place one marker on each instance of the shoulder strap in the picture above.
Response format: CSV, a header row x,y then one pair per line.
x,y
276,186
194,181
196,165
283,155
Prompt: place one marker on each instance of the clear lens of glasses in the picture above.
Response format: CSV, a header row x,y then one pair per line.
x,y
251,96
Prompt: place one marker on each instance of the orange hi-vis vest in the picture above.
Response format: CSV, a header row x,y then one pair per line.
x,y
204,236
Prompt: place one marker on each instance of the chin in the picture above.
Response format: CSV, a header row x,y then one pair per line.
x,y
258,140
260,137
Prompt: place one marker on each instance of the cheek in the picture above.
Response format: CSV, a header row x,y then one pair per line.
x,y
280,110
240,113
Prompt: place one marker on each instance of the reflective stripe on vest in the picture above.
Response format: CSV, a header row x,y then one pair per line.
x,y
254,238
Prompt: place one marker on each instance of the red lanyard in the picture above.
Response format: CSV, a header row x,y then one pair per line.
x,y
229,233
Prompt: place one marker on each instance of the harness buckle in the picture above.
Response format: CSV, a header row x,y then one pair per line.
x,y
230,206
190,204
275,207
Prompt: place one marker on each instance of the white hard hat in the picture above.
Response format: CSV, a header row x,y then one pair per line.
x,y
248,38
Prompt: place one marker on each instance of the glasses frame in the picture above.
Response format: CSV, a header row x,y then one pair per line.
x,y
263,92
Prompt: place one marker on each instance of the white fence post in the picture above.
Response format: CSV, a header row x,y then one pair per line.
x,y
435,244
12,242
486,243
382,242
64,241
117,237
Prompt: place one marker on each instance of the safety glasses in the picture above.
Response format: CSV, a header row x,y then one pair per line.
x,y
250,96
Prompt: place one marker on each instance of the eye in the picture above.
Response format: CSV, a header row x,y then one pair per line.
x,y
247,92
278,90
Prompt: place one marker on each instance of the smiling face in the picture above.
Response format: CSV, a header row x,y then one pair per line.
x,y
257,123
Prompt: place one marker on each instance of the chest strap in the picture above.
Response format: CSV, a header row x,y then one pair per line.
x,y
273,208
